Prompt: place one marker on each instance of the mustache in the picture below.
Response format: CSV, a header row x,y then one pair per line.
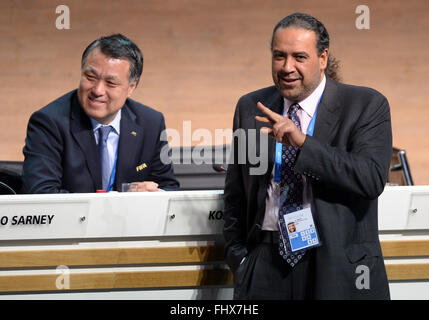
x,y
289,76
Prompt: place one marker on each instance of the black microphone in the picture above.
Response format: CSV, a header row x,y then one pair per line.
x,y
396,167
4,185
219,167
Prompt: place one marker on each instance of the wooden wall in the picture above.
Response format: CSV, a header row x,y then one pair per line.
x,y
201,56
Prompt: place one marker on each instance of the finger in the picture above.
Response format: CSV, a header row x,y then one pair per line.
x,y
282,131
267,131
263,119
271,115
289,134
147,186
151,186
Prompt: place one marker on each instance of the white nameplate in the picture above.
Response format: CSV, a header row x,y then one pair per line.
x,y
46,220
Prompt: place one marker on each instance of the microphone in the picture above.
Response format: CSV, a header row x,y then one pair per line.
x,y
219,167
5,186
396,167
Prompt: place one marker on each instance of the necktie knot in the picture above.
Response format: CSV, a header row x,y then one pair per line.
x,y
104,133
293,109
293,114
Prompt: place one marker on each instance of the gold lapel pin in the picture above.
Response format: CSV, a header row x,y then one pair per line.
x,y
134,133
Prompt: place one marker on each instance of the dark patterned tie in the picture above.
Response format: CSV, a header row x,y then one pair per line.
x,y
106,170
291,191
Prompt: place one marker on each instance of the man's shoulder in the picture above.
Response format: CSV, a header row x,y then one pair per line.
x,y
260,94
59,106
141,110
348,91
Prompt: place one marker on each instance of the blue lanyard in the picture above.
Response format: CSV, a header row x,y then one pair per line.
x,y
279,146
112,176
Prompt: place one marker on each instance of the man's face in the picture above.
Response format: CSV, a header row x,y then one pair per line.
x,y
104,86
297,68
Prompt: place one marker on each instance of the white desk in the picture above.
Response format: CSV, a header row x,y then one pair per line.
x,y
162,245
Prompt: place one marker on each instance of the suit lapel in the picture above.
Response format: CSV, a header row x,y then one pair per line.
x,y
81,130
130,146
327,116
275,103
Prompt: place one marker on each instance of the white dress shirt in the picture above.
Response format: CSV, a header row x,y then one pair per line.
x,y
305,114
112,139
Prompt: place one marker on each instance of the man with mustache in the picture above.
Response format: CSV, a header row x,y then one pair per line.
x,y
96,137
329,151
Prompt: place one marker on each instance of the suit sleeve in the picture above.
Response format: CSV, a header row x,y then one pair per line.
x,y
42,169
235,206
361,167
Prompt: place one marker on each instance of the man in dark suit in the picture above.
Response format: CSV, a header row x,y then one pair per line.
x,y
63,150
340,147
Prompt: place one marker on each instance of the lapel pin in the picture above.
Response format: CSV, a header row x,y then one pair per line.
x,y
134,133
141,167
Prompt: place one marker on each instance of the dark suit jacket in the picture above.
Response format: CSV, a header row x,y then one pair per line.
x,y
61,153
346,162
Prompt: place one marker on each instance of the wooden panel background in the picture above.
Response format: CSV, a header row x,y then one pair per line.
x,y
201,56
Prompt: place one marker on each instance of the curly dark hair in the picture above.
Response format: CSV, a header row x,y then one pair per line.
x,y
305,21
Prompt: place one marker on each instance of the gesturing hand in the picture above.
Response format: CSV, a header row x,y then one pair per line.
x,y
284,130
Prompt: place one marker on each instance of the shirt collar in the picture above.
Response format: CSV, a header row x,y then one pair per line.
x,y
310,103
116,123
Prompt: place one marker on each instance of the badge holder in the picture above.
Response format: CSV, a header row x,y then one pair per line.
x,y
299,230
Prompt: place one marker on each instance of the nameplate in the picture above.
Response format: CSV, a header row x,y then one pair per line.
x,y
46,220
203,215
418,211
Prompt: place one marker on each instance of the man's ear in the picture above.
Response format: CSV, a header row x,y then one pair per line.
x,y
323,60
132,87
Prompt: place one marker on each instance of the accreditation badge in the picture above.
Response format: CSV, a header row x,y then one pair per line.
x,y
299,229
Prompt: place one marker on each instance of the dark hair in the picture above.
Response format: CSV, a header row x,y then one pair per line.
x,y
118,46
305,21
